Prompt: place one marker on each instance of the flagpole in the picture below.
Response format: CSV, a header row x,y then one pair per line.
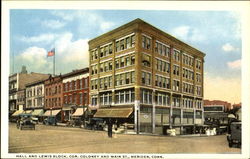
x,y
54,62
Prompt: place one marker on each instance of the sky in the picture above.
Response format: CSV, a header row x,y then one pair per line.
x,y
34,32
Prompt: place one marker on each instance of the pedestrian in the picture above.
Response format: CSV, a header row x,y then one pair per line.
x,y
110,125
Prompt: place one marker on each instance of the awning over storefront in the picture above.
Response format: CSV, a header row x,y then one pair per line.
x,y
79,112
113,113
51,112
37,112
27,112
18,112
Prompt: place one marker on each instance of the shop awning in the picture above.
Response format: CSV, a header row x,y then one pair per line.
x,y
51,113
113,113
79,112
37,112
18,112
27,112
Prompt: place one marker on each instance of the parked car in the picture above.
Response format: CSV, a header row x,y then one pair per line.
x,y
25,123
51,120
234,134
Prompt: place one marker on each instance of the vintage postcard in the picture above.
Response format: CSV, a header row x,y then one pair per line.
x,y
125,79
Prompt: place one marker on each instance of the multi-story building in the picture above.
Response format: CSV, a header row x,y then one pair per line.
x,y
141,69
54,97
20,102
213,104
75,93
17,83
35,97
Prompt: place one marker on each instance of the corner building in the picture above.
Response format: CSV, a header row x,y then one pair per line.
x,y
142,68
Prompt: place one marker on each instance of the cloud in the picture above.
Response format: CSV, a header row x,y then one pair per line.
x,y
65,15
70,54
234,64
46,38
219,88
70,50
35,59
85,20
188,34
53,24
106,25
229,48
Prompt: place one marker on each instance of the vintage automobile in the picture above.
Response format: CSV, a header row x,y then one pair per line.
x,y
51,120
234,134
25,123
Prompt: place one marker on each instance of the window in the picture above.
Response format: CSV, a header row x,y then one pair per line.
x,y
110,66
146,42
110,49
132,60
146,60
117,48
133,40
122,44
122,62
176,55
127,61
117,63
124,96
176,85
101,51
128,42
146,78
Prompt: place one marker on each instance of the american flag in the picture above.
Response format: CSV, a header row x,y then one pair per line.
x,y
51,53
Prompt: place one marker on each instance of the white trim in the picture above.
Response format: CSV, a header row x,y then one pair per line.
x,y
146,71
106,60
93,49
124,72
162,76
146,36
94,64
105,76
176,65
117,56
105,44
188,69
176,79
93,79
198,60
163,43
188,55
124,37
177,50
146,54
162,60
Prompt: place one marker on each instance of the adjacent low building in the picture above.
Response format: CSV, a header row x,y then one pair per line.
x,y
35,97
17,84
75,93
54,98
143,76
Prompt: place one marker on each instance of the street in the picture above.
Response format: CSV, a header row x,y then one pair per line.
x,y
55,139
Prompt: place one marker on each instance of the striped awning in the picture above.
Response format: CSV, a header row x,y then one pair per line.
x,y
113,113
18,112
79,112
37,112
51,112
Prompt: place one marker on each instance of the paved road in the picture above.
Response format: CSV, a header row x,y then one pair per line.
x,y
54,139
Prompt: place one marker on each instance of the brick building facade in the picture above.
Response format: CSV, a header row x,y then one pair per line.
x,y
142,68
75,93
54,97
